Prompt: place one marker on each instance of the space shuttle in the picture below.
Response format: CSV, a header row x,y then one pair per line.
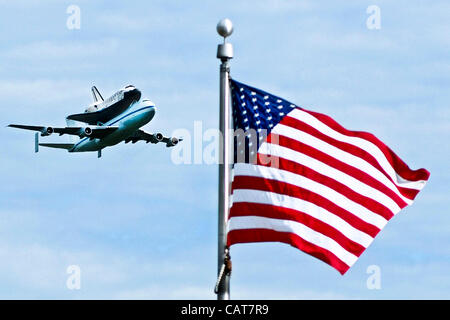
x,y
101,111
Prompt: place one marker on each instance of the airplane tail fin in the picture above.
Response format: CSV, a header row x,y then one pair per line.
x,y
66,146
96,94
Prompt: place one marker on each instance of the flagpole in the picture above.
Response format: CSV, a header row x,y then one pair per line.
x,y
224,53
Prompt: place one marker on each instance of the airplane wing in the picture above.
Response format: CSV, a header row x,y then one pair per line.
x,y
45,131
141,135
99,132
91,132
20,126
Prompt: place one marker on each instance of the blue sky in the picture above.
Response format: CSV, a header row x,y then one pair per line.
x,y
140,226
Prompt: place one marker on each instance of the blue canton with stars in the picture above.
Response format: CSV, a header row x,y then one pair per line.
x,y
257,110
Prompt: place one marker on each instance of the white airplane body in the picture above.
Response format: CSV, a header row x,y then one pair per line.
x,y
111,121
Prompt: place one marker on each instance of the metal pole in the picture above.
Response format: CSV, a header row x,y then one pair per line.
x,y
224,53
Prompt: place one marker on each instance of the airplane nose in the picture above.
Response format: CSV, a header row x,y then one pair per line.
x,y
148,103
150,112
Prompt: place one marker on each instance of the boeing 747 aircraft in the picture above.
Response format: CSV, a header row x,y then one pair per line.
x,y
108,122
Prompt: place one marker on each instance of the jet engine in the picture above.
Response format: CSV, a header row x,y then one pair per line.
x,y
46,131
87,131
159,137
173,142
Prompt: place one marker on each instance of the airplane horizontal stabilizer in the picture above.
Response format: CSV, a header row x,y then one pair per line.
x,y
66,146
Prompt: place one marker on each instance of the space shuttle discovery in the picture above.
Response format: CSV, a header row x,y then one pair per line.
x,y
100,111
108,122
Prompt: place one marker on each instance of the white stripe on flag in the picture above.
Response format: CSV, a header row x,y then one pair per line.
x,y
338,175
340,200
360,143
338,154
314,237
311,209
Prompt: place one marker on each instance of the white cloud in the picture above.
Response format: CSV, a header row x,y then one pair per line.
x,y
278,294
168,292
51,50
42,270
123,22
42,90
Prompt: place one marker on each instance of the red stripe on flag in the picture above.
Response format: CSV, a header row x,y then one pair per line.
x,y
304,171
266,235
240,209
347,147
398,164
255,183
344,167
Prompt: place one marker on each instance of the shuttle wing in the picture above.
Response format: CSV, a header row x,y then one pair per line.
x,y
141,135
103,115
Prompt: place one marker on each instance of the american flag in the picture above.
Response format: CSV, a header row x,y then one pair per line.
x,y
304,180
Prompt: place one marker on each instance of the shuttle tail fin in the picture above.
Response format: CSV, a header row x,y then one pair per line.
x,y
96,94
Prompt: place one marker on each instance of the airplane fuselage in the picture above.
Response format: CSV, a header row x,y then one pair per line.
x,y
137,115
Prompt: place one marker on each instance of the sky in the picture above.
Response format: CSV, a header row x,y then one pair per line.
x,y
142,227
